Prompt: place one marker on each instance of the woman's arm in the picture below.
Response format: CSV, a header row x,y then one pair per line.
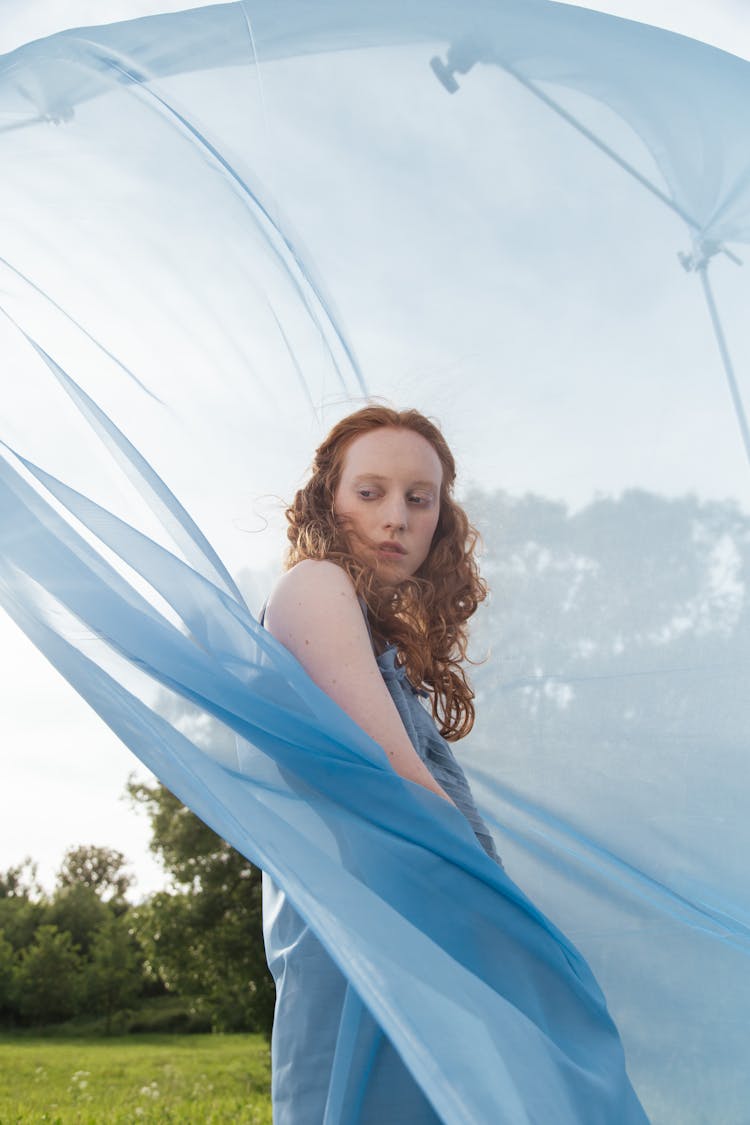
x,y
314,612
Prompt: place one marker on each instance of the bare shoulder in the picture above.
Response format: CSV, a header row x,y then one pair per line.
x,y
315,599
310,579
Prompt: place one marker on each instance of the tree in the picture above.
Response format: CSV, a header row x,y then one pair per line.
x,y
7,973
77,909
100,869
113,976
21,881
48,977
205,937
619,637
22,904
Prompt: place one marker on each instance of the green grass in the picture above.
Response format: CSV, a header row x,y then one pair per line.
x,y
191,1079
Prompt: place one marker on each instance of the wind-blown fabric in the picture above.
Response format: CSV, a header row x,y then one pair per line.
x,y
220,230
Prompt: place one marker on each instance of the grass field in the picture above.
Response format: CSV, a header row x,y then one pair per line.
x,y
195,1079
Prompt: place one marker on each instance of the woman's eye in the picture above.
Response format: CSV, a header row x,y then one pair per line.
x,y
372,494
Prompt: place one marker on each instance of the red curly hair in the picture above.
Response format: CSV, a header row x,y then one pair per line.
x,y
426,615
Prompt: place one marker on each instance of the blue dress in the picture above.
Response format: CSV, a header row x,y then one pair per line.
x,y
321,1029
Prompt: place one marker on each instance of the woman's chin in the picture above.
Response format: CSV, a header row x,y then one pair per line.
x,y
390,569
391,572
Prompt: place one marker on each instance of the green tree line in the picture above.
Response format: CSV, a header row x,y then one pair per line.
x,y
84,950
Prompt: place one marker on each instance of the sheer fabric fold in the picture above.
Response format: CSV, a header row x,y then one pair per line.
x,y
220,229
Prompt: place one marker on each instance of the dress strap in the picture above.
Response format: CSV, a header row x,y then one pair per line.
x,y
363,607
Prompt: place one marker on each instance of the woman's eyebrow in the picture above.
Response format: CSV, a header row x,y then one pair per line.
x,y
379,476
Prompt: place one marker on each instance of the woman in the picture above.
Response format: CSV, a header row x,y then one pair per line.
x,y
381,581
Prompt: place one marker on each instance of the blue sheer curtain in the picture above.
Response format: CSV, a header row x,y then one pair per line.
x,y
221,230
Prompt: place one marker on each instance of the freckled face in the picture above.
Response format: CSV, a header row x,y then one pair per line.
x,y
389,490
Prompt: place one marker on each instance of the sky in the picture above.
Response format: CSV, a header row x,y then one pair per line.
x,y
63,770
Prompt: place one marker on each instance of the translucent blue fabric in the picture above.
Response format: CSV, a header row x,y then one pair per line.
x,y
220,230
316,1008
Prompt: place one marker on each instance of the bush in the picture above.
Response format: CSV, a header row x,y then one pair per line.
x,y
48,981
7,975
113,976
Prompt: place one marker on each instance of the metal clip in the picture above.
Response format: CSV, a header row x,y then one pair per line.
x,y
460,58
703,251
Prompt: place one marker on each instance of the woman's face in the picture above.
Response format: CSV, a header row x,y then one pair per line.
x,y
389,490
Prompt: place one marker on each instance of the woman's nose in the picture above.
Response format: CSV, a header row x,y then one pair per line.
x,y
397,515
